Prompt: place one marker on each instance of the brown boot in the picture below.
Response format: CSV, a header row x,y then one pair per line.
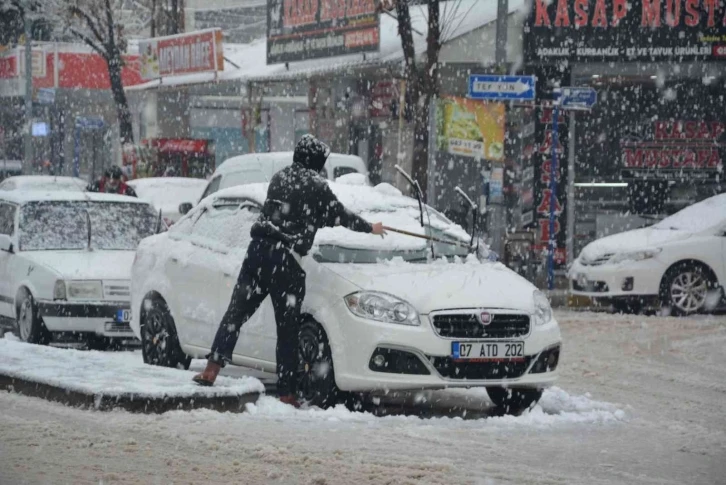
x,y
290,399
209,375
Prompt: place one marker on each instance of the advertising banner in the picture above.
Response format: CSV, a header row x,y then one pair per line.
x,y
312,29
181,54
471,128
625,30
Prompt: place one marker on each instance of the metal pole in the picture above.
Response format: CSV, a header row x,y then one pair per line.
x,y
28,147
570,241
553,190
496,214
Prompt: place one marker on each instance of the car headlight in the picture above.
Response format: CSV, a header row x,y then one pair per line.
x,y
59,290
382,307
635,255
542,309
85,289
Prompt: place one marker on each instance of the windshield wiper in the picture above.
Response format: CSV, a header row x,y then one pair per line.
x,y
419,197
88,222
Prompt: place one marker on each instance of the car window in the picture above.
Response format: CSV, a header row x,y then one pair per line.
x,y
340,171
7,219
227,223
212,187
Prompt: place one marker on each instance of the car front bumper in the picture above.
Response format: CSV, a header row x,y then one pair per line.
x,y
100,318
355,340
611,281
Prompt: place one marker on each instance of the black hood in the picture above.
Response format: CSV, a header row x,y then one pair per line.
x,y
311,153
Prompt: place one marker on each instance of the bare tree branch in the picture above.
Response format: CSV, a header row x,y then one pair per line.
x,y
90,42
73,10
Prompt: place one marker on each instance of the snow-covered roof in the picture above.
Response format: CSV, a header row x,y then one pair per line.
x,y
24,196
44,182
461,16
167,193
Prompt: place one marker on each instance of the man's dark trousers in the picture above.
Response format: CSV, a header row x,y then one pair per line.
x,y
269,268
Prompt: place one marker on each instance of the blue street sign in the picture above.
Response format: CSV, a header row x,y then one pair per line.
x,y
89,122
502,88
574,98
46,95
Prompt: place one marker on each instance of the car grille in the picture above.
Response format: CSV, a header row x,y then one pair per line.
x,y
450,369
468,325
599,261
116,289
591,286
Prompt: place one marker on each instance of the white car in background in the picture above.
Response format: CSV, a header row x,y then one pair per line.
x,y
65,262
43,183
379,313
680,262
166,193
260,167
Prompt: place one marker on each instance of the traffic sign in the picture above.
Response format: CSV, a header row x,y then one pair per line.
x,y
576,98
502,88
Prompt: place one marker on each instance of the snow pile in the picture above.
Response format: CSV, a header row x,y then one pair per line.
x,y
556,408
108,373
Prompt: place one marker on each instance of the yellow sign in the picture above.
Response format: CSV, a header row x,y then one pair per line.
x,y
471,128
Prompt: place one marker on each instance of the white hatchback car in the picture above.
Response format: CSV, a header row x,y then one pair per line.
x,y
379,313
65,262
680,262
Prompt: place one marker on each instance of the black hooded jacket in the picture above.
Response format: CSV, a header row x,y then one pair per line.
x,y
299,202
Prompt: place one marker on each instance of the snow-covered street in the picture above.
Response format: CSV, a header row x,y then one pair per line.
x,y
639,401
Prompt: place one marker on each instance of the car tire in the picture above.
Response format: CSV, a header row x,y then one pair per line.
x,y
159,341
685,288
30,326
513,401
316,376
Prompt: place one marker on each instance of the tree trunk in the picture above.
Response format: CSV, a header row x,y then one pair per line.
x,y
421,143
119,97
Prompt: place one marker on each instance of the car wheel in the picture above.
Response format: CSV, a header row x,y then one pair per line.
x,y
30,325
685,288
513,401
316,377
159,340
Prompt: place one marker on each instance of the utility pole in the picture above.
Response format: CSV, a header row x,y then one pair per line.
x,y
496,219
28,148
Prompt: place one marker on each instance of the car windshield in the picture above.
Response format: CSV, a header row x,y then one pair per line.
x,y
56,225
697,217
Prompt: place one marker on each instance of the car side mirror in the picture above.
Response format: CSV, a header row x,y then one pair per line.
x,y
185,207
6,243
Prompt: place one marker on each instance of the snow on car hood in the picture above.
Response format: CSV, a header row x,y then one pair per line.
x,y
635,240
440,285
85,265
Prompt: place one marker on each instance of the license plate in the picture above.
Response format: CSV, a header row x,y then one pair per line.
x,y
123,315
487,351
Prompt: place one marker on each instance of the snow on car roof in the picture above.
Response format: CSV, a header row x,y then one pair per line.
x,y
49,182
24,196
697,217
381,203
234,163
167,193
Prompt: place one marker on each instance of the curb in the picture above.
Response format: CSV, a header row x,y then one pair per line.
x,y
126,401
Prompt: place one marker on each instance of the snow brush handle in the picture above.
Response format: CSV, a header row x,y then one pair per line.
x,y
423,236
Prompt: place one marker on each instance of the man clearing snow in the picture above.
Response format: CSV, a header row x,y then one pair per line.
x,y
299,202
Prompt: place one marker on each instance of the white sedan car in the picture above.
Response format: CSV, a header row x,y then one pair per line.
x,y
166,193
65,262
379,314
679,262
43,182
